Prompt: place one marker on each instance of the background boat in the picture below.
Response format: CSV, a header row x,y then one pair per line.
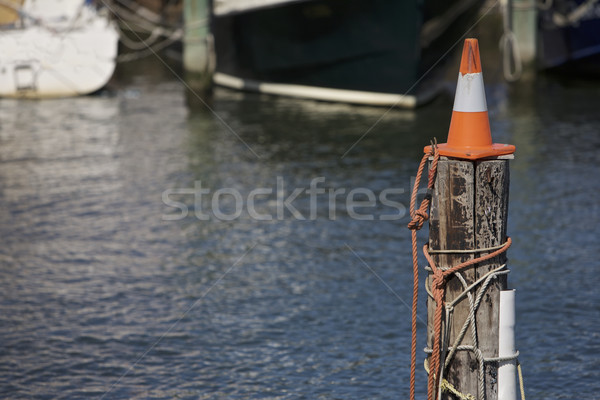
x,y
569,36
380,52
55,48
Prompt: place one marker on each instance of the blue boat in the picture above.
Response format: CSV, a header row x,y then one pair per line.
x,y
569,36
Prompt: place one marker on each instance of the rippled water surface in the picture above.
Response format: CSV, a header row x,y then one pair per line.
x,y
120,279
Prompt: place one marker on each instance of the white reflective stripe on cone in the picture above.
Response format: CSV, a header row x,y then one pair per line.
x,y
470,93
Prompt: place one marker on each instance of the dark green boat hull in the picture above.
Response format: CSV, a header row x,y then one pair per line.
x,y
372,46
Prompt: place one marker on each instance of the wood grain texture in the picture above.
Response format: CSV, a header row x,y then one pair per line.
x,y
491,214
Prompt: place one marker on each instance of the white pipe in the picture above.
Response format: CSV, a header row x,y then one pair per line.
x,y
507,378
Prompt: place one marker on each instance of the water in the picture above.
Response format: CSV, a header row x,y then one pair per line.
x,y
114,285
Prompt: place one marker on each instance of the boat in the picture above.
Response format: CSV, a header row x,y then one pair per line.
x,y
569,36
377,52
55,48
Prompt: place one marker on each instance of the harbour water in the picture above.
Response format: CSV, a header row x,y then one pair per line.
x,y
151,246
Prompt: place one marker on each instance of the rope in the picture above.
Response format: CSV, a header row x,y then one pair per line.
x,y
473,306
484,250
448,387
485,279
142,21
521,384
439,290
468,347
149,50
418,219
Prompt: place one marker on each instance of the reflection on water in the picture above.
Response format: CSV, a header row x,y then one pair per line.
x,y
101,292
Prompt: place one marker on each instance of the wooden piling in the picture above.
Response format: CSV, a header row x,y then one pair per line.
x,y
198,51
469,209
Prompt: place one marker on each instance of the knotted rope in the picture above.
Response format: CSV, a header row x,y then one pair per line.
x,y
438,288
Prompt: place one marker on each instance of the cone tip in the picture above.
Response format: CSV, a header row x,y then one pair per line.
x,y
470,62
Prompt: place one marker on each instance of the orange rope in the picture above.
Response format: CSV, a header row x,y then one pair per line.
x,y
418,219
438,282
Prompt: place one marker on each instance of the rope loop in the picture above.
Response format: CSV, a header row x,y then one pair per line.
x,y
420,215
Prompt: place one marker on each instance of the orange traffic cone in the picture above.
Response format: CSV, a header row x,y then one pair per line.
x,y
469,136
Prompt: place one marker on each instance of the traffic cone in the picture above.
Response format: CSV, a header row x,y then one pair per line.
x,y
469,136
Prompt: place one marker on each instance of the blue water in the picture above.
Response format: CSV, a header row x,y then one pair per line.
x,y
120,279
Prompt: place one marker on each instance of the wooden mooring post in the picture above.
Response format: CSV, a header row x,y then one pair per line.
x,y
469,209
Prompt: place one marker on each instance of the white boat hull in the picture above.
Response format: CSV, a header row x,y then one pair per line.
x,y
39,61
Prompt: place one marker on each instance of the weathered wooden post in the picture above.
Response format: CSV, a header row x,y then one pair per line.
x,y
469,212
467,243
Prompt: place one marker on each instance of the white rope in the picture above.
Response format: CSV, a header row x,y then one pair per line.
x,y
461,251
471,320
148,51
474,302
